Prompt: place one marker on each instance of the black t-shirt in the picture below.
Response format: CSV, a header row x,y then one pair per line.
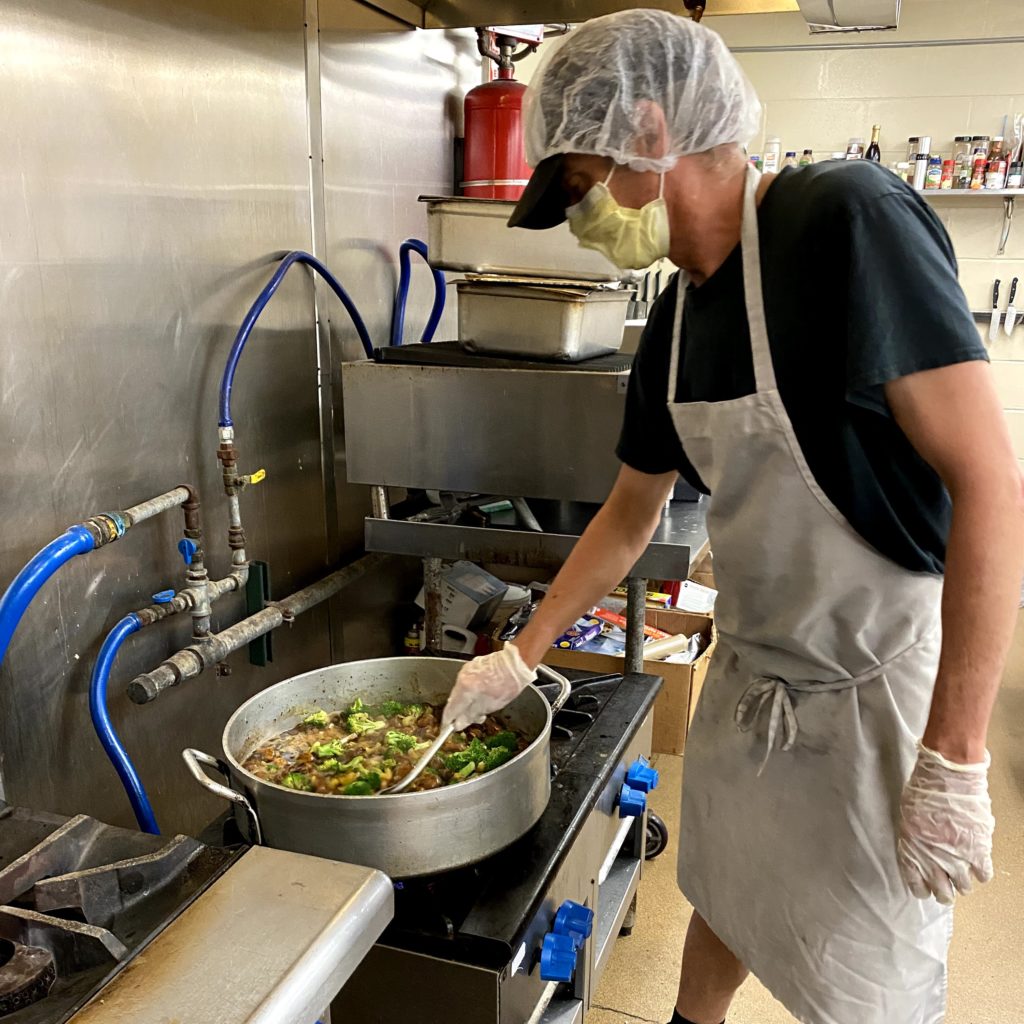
x,y
860,288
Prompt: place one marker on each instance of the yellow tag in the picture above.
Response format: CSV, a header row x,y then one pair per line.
x,y
258,477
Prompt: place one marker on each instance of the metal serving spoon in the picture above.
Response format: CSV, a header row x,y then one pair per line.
x,y
445,734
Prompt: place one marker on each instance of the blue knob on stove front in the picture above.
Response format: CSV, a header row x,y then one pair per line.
x,y
557,958
575,920
642,776
632,802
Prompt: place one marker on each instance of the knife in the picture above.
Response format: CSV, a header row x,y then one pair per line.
x,y
993,326
1011,310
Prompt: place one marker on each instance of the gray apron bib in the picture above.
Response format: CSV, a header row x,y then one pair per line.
x,y
805,732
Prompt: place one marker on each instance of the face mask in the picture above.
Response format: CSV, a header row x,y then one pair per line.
x,y
631,239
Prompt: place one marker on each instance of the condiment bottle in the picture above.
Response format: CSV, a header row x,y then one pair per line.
x,y
855,149
920,170
807,159
790,160
946,180
913,148
904,170
962,161
1015,176
772,153
933,174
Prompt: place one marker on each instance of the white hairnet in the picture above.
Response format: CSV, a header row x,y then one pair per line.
x,y
588,93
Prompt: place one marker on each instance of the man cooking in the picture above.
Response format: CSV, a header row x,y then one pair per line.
x,y
815,369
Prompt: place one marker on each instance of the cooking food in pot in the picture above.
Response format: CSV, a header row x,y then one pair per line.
x,y
366,748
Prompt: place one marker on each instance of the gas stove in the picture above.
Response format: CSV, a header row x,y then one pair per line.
x,y
465,947
78,900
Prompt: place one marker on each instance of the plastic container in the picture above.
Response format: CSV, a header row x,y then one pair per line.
x,y
920,170
772,153
946,181
855,149
558,323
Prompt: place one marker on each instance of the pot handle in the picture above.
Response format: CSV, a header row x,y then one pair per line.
x,y
194,759
565,688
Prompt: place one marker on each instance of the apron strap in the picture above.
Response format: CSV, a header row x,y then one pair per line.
x,y
760,350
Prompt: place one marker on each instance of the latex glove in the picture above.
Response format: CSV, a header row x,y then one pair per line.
x,y
484,685
946,825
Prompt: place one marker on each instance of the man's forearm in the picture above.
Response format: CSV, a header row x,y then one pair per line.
x,y
979,611
605,553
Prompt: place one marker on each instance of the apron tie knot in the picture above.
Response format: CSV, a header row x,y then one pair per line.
x,y
759,693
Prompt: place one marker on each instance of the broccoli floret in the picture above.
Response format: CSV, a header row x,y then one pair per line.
x,y
330,765
401,741
360,722
372,779
506,739
388,762
497,756
410,713
297,780
318,717
390,708
466,771
335,748
474,753
359,788
357,705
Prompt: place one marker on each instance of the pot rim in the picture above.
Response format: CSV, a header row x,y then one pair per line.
x,y
542,737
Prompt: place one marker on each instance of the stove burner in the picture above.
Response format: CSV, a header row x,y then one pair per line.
x,y
26,975
78,898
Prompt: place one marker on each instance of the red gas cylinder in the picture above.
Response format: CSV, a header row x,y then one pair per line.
x,y
495,162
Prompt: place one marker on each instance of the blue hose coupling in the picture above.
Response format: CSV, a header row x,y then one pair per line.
x,y
106,527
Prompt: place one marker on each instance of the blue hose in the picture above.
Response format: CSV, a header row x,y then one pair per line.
x,y
105,728
76,540
260,304
402,295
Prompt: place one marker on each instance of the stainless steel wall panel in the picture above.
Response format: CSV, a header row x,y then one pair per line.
x,y
155,157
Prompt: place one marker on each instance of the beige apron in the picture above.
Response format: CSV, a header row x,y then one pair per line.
x,y
806,728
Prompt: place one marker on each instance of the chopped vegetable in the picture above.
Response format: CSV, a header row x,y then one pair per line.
x,y
402,741
358,788
364,748
360,722
506,739
298,780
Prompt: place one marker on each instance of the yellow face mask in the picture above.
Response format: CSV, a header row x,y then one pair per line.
x,y
631,239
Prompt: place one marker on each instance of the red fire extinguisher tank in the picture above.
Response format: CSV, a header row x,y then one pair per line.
x,y
495,161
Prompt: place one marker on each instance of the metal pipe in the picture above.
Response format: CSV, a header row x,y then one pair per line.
x,y
432,612
161,503
525,513
636,605
191,661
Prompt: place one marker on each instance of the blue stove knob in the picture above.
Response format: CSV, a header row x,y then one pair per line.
x,y
557,958
642,776
575,920
632,802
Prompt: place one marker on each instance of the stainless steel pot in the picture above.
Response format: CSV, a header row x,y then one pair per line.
x,y
404,834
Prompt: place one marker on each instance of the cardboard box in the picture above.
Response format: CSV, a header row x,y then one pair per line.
x,y
677,700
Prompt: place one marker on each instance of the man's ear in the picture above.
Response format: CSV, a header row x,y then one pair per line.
x,y
651,130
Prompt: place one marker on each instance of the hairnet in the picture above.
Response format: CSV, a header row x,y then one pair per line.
x,y
587,94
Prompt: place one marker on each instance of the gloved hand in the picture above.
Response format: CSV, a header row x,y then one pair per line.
x,y
484,685
946,825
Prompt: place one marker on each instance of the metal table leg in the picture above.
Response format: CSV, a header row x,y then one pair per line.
x,y
636,603
432,605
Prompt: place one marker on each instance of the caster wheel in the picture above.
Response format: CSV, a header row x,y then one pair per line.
x,y
657,836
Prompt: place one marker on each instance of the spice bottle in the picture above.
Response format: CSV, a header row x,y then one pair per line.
x,y
807,159
962,161
933,174
947,174
855,149
1015,176
913,148
995,175
978,169
905,171
772,153
790,160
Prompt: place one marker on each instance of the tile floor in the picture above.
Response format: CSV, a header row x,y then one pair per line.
x,y
986,983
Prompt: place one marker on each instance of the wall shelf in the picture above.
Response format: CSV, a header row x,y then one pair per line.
x,y
1007,195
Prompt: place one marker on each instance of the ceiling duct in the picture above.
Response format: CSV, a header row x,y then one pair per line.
x,y
850,15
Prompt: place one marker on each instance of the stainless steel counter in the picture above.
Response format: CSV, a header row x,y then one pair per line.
x,y
271,942
679,543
